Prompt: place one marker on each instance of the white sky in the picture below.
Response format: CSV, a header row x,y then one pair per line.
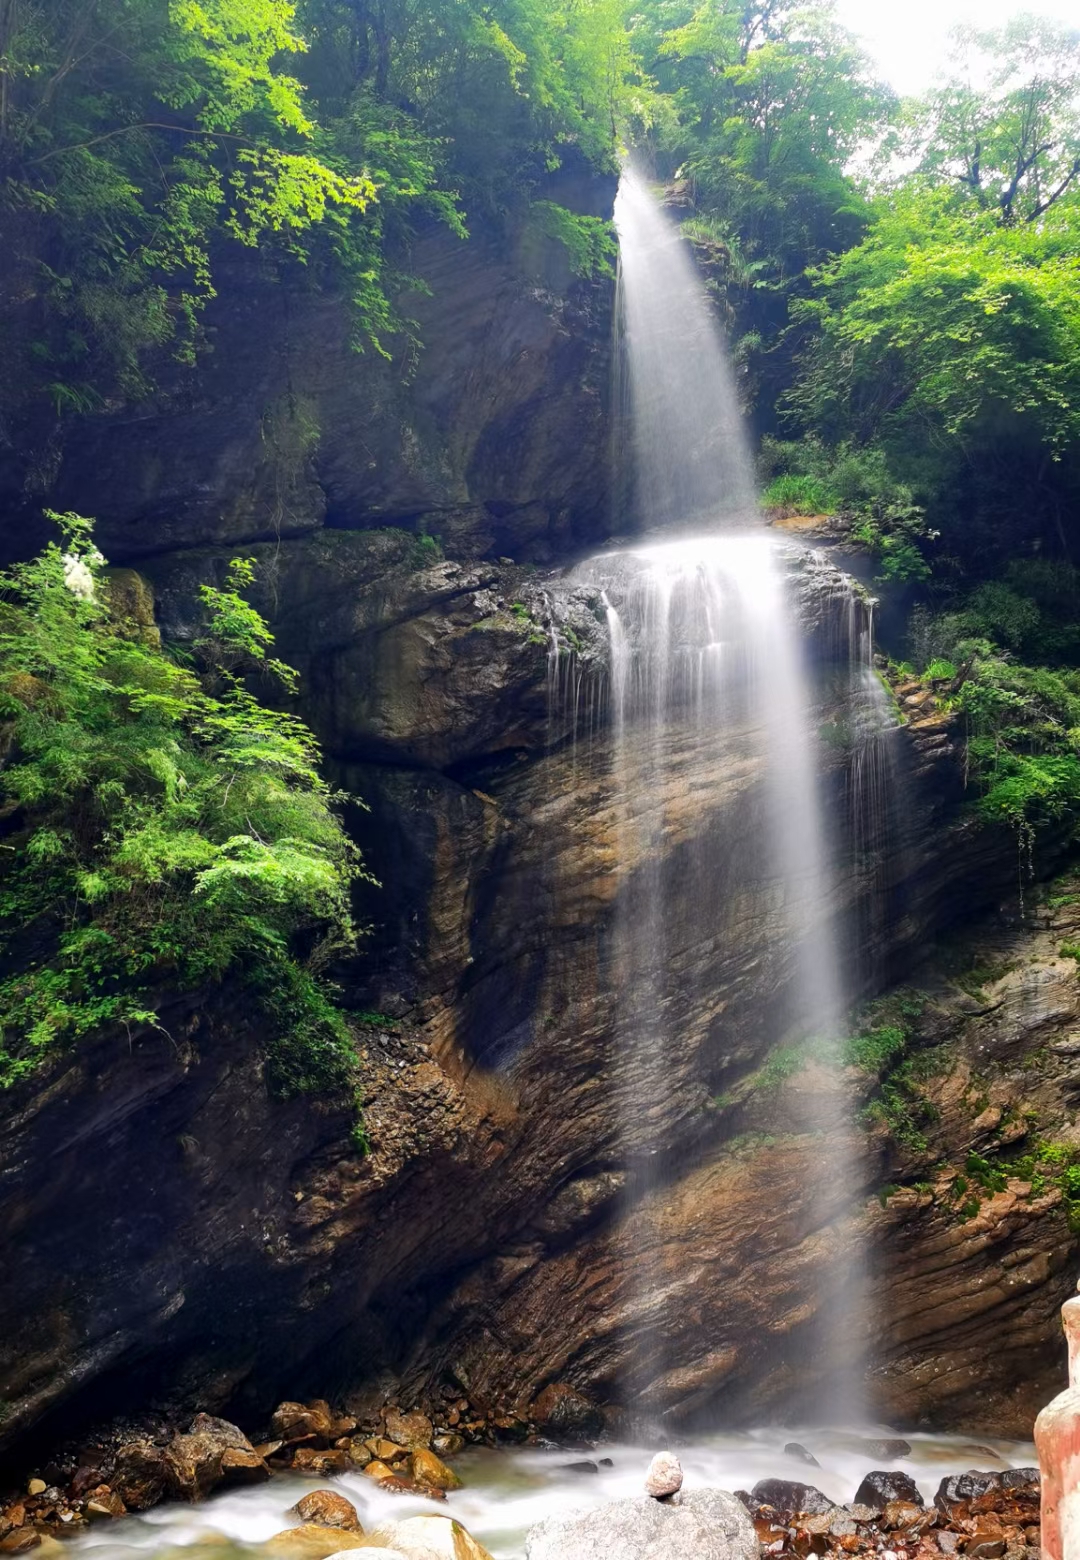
x,y
908,38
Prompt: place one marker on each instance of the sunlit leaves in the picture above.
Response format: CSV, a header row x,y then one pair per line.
x,y
170,827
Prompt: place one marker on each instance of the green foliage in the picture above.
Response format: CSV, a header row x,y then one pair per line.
x,y
874,1051
135,135
1047,1166
991,1177
883,1051
783,1064
425,551
803,494
163,827
142,140
589,241
1022,722
1011,144
893,534
770,101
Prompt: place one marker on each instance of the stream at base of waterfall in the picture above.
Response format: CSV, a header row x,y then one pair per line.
x,y
509,1491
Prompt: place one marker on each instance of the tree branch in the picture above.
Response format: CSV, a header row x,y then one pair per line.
x,y
1044,205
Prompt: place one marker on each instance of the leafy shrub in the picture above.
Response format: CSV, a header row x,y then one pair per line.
x,y
589,241
162,828
873,1052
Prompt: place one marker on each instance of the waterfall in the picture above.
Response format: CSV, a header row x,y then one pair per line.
x,y
688,452
710,672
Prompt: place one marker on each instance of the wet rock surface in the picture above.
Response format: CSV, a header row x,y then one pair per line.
x,y
987,1515
487,1245
708,1524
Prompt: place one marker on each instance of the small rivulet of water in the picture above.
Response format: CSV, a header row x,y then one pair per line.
x,y
710,675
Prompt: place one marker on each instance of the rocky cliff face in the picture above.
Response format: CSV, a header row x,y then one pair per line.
x,y
184,1240
491,437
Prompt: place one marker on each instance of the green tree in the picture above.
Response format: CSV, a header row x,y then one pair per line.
x,y
943,320
134,136
162,827
1006,129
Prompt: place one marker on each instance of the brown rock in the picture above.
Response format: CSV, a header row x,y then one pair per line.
x,y
563,1411
298,1422
412,1431
268,1448
359,1452
193,1462
242,1467
379,1471
448,1444
431,1470
901,1514
326,1508
19,1540
104,1502
384,1450
308,1459
139,1475
85,1478
312,1542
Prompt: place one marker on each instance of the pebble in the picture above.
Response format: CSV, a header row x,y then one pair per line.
x,y
36,1487
664,1477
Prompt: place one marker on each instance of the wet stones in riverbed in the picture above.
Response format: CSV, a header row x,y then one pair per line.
x,y
404,1451
431,1470
885,1485
413,1431
799,1452
977,1516
787,1496
211,1453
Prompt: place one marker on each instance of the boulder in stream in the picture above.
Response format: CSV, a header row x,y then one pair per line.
x,y
705,1524
327,1508
885,1485
429,1538
431,1470
790,1497
312,1541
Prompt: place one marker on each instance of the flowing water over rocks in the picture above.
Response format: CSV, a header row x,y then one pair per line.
x,y
704,639
509,1493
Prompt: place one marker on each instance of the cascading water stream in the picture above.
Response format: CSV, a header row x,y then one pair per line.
x,y
706,650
